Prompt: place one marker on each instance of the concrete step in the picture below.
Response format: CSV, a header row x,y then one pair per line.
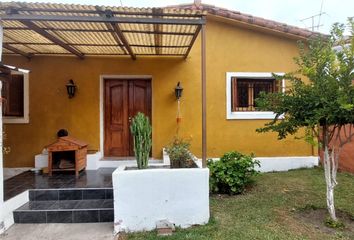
x,y
67,206
70,194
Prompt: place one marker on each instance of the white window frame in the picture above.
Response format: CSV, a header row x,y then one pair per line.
x,y
25,118
248,114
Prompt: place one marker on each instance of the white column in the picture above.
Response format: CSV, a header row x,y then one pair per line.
x,y
1,145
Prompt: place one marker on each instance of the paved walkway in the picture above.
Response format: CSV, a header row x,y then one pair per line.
x,y
87,231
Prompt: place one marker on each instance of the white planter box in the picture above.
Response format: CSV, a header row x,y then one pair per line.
x,y
144,197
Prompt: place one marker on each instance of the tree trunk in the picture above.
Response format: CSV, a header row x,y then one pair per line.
x,y
330,170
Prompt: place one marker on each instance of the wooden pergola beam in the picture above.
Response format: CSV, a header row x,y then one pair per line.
x,y
123,40
116,32
204,100
157,28
110,29
15,50
115,36
99,45
104,30
193,40
50,37
134,13
65,18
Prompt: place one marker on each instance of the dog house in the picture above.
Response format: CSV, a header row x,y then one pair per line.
x,y
67,154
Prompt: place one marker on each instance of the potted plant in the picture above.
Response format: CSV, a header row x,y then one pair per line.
x,y
179,154
141,130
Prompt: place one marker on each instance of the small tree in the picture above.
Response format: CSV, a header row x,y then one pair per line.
x,y
324,106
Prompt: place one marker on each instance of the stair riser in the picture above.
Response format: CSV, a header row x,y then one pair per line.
x,y
63,216
70,194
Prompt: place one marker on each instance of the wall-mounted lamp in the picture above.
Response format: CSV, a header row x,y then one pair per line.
x,y
71,88
178,91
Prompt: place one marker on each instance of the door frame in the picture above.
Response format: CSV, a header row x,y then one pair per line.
x,y
101,89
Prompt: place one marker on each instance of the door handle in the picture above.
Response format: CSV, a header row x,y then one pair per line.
x,y
130,119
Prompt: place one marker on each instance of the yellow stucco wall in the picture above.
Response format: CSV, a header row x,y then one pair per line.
x,y
229,49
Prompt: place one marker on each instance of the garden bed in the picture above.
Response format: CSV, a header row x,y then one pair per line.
x,y
270,210
144,197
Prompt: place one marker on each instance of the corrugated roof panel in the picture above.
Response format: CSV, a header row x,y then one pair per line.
x,y
7,39
12,24
173,50
179,28
136,27
103,38
140,38
48,49
143,50
23,48
72,25
173,40
26,36
129,10
184,11
99,50
4,50
82,37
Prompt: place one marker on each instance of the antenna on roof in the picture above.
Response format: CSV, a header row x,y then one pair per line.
x,y
121,3
197,2
313,17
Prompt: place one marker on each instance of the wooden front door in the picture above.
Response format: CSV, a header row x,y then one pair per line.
x,y
123,100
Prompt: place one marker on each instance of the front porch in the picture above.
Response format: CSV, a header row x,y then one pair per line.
x,y
61,198
101,178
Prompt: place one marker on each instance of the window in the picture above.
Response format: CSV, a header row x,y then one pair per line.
x,y
244,91
15,97
242,88
12,93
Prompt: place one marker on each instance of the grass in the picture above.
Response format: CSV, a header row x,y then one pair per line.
x,y
268,210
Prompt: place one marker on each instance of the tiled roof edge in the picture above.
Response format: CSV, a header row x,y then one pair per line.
x,y
252,20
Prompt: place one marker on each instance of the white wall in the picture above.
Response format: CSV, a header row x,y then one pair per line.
x,y
277,164
280,164
11,205
94,161
143,197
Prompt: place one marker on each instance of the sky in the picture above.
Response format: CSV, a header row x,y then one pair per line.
x,y
286,11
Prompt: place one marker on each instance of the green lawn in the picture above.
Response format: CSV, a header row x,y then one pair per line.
x,y
270,210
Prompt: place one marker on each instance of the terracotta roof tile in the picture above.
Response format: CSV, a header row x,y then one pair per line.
x,y
250,19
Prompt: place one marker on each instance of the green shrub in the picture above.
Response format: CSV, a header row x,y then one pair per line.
x,y
232,173
329,222
179,154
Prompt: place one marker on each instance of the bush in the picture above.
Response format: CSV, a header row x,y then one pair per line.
x,y
179,153
232,173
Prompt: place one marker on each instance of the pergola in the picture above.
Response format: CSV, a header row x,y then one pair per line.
x,y
31,29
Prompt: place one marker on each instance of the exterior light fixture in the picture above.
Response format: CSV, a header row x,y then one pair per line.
x,y
178,91
71,88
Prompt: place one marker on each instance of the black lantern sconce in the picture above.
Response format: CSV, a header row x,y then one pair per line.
x,y
178,91
71,88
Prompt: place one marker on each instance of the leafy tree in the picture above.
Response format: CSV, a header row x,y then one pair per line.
x,y
323,105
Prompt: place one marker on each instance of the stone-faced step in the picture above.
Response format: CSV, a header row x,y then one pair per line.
x,y
66,211
67,205
64,216
70,194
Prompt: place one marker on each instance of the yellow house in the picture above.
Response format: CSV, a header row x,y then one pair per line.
x,y
124,60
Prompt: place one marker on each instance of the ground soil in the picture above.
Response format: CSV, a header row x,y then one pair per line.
x,y
317,218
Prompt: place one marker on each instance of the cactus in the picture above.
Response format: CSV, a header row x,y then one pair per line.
x,y
141,130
